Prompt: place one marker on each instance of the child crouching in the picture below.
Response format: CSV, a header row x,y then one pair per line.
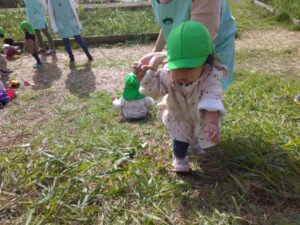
x,y
192,106
133,104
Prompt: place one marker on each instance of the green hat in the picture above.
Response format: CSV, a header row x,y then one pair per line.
x,y
27,26
131,90
188,45
1,32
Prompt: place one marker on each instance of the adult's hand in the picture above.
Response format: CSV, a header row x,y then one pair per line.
x,y
150,61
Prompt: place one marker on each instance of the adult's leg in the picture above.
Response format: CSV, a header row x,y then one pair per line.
x,y
39,38
49,38
83,45
68,49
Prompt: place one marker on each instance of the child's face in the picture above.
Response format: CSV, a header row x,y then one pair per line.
x,y
187,75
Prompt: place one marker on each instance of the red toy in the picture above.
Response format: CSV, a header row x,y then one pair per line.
x,y
28,83
11,93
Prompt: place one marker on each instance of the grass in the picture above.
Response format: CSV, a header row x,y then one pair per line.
x,y
122,21
73,160
88,167
96,22
288,9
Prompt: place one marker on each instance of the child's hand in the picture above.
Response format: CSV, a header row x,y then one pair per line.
x,y
150,61
213,133
138,71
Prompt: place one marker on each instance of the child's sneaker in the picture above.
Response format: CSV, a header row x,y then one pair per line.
x,y
181,165
50,51
40,50
37,66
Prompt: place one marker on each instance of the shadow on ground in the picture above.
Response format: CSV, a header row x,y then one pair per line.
x,y
47,74
81,81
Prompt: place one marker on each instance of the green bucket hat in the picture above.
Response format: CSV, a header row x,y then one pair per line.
x,y
188,45
131,90
27,26
2,32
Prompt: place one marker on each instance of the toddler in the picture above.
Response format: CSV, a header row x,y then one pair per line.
x,y
192,106
31,43
133,104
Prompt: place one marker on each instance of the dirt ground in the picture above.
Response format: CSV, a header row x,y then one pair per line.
x,y
113,62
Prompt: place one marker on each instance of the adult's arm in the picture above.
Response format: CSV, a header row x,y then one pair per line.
x,y
207,12
160,42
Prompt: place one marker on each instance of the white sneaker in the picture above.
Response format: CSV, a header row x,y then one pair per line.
x,y
181,165
50,51
39,50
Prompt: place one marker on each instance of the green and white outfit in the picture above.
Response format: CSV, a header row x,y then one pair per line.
x,y
133,104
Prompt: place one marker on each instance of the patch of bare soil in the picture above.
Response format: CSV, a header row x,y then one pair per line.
x,y
114,62
279,51
268,39
106,72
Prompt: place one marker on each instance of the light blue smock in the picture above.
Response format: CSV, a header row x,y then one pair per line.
x,y
224,42
35,14
168,15
65,19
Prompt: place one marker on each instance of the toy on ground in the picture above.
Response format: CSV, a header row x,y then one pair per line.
x,y
28,83
15,84
11,52
11,93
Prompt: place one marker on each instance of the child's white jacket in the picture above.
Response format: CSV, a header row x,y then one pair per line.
x,y
182,105
133,109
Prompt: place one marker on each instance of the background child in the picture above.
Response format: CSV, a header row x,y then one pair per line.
x,y
192,106
30,42
36,17
133,104
64,20
3,63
